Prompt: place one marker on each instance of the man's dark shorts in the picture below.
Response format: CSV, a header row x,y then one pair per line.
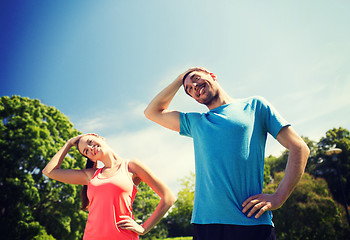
x,y
230,232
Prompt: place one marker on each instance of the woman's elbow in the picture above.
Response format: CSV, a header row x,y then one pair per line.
x,y
45,172
169,199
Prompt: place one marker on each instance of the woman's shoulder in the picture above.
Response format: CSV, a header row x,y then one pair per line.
x,y
134,163
136,166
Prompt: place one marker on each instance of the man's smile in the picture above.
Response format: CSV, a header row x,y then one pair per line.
x,y
200,89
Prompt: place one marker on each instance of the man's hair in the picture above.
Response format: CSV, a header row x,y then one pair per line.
x,y
185,76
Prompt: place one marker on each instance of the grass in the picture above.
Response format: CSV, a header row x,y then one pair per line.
x,y
178,238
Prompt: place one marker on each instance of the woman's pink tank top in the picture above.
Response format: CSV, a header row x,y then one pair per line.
x,y
110,198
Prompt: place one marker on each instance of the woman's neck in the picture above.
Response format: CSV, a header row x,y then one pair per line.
x,y
111,160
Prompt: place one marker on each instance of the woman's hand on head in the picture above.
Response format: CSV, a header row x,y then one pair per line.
x,y
128,223
73,141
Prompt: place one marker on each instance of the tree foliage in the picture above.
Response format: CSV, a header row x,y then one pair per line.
x,y
315,202
179,218
323,166
309,213
278,164
145,203
32,205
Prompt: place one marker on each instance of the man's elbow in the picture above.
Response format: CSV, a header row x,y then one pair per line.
x,y
305,149
151,114
304,152
147,113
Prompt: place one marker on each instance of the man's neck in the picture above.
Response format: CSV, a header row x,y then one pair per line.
x,y
222,99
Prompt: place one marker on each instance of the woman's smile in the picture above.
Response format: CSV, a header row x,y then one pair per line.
x,y
96,149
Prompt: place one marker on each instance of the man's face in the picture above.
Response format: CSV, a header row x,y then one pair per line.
x,y
201,86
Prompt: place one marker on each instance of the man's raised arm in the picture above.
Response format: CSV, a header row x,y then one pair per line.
x,y
157,110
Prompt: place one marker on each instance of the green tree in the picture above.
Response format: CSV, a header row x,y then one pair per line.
x,y
145,203
323,166
179,218
278,164
33,206
309,213
270,161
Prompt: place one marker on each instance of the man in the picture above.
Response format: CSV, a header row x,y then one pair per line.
x,y
229,142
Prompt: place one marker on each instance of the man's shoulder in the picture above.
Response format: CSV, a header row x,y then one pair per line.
x,y
191,115
253,99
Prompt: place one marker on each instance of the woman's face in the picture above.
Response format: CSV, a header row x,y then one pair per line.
x,y
91,147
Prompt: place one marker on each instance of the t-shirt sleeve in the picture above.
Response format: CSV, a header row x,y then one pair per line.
x,y
185,124
187,121
272,120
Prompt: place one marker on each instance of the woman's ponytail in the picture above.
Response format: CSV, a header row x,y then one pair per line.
x,y
83,194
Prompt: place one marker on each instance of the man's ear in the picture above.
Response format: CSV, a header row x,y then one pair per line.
x,y
102,138
213,76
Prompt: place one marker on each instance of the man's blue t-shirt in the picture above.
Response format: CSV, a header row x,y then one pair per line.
x,y
229,145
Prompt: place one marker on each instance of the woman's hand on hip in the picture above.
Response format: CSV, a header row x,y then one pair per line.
x,y
128,223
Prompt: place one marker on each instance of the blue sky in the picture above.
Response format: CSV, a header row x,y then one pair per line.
x,y
101,62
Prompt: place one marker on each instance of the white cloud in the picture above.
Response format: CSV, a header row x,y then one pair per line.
x,y
107,121
169,155
90,125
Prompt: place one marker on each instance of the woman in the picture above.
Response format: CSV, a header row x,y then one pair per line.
x,y
111,189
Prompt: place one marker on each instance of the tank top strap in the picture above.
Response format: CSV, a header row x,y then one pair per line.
x,y
126,165
96,172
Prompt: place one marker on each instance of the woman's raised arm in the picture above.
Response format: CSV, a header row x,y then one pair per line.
x,y
71,176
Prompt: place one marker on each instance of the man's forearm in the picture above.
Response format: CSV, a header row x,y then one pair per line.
x,y
294,170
